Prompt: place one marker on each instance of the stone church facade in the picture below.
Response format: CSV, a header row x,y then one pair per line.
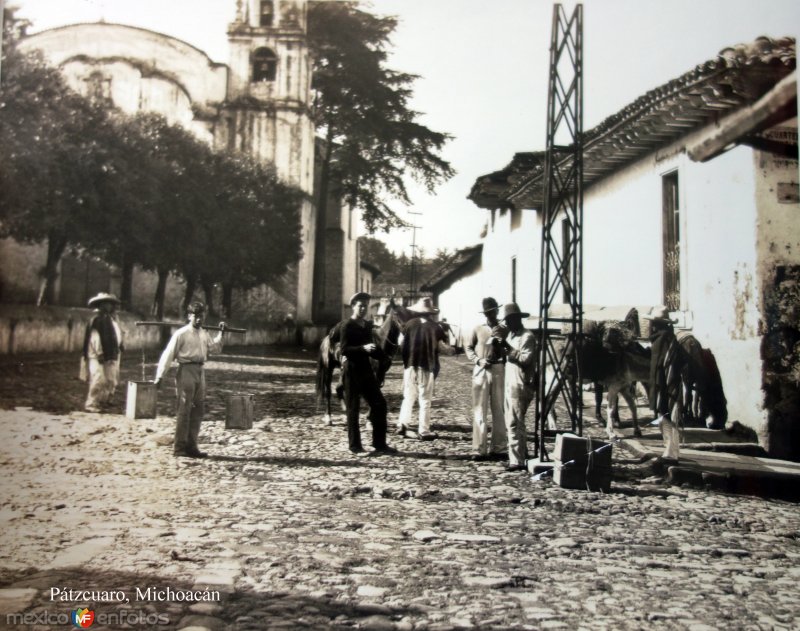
x,y
258,103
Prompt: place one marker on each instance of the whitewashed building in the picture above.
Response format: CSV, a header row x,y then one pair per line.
x,y
691,200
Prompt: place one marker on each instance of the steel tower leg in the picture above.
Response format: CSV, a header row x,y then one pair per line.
x,y
561,270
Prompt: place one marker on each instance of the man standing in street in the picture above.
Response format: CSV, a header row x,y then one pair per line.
x,y
189,346
358,346
486,352
420,350
520,383
102,347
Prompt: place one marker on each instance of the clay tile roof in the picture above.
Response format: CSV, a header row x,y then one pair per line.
x,y
736,77
461,263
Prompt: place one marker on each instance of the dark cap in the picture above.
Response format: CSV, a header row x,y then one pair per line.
x,y
358,297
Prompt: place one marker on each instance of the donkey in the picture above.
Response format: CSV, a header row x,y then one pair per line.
x,y
613,360
702,384
385,337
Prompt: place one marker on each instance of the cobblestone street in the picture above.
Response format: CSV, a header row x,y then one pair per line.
x,y
294,531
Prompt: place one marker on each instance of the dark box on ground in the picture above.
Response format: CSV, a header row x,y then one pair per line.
x,y
586,471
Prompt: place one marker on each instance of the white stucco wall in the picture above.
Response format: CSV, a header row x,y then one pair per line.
x,y
203,80
721,282
461,304
504,243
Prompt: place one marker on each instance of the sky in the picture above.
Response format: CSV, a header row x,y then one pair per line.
x,y
483,70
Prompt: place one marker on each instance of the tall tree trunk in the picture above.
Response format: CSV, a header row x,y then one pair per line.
x,y
208,292
227,301
126,290
56,244
161,293
191,285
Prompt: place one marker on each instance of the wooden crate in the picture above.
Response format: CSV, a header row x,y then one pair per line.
x,y
142,399
587,473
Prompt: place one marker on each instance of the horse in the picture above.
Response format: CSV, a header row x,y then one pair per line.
x,y
385,336
702,384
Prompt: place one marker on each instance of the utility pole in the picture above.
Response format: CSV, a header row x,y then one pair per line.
x,y
412,284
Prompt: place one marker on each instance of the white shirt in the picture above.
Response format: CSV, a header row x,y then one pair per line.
x,y
188,345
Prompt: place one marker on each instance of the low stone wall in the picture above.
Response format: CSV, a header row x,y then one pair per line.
x,y
31,329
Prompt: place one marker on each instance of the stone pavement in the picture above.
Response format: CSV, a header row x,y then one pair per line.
x,y
289,530
717,459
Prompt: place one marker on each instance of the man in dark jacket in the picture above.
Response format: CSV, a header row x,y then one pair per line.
x,y
420,349
358,347
102,345
666,387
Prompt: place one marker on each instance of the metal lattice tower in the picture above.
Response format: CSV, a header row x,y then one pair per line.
x,y
561,279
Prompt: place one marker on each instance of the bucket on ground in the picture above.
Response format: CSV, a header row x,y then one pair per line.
x,y
142,399
239,411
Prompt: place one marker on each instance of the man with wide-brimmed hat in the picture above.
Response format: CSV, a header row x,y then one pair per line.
x,y
190,347
487,354
667,360
520,383
358,347
102,347
420,350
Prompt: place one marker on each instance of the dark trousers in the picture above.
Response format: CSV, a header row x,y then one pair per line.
x,y
359,381
191,384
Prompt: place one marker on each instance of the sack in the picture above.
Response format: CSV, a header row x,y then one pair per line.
x,y
83,372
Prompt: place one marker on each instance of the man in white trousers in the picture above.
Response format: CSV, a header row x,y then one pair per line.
x,y
420,350
486,353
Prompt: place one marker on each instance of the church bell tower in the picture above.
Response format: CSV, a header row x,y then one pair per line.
x,y
266,113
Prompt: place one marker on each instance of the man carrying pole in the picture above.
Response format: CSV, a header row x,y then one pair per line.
x,y
190,347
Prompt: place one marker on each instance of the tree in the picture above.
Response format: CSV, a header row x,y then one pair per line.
x,y
255,235
375,251
372,140
50,156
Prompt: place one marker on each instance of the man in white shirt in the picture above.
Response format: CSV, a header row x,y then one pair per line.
x,y
486,353
520,380
189,346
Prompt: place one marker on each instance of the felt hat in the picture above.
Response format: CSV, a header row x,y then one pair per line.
x,y
489,304
423,305
659,314
512,308
358,296
102,297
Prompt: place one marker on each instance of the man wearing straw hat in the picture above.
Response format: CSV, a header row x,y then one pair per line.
x,y
102,346
520,380
189,346
420,350
667,360
486,352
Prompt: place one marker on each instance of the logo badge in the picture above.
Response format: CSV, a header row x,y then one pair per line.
x,y
82,618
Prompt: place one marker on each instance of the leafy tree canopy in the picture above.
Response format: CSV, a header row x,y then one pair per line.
x,y
361,108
